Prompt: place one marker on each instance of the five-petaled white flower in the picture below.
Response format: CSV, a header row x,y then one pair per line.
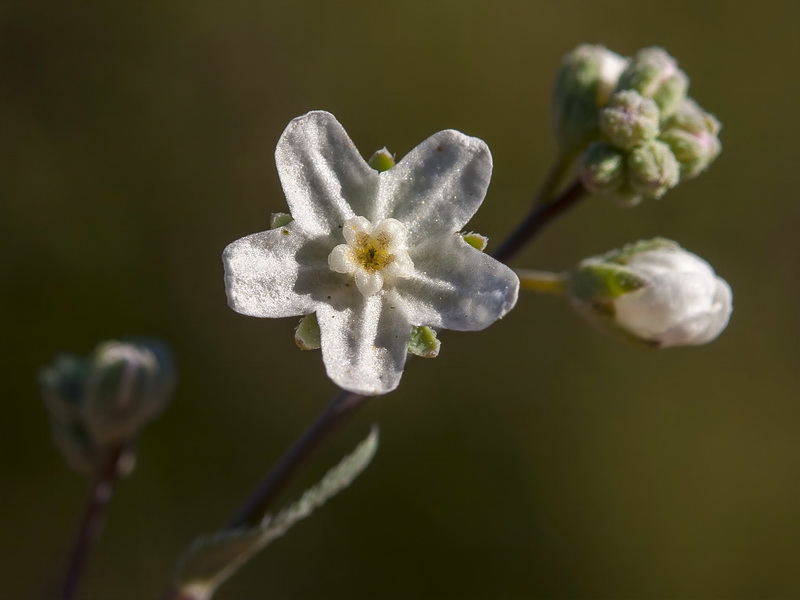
x,y
373,254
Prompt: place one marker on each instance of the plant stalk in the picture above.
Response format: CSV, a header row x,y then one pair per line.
x,y
100,492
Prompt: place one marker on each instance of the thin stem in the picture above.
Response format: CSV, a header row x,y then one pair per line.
x,y
539,217
541,281
553,179
338,411
100,492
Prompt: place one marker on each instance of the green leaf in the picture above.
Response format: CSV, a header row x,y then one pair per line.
x,y
211,560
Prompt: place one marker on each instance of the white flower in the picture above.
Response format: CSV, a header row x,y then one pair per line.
x,y
373,254
683,303
655,292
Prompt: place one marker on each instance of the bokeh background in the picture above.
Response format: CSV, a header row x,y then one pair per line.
x,y
537,459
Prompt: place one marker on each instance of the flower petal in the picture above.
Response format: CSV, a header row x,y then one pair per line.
x,y
261,273
368,283
456,286
341,259
364,342
438,186
325,179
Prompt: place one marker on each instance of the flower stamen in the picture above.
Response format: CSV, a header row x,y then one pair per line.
x,y
375,255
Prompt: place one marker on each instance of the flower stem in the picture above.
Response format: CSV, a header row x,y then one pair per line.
x,y
541,281
338,411
100,492
542,213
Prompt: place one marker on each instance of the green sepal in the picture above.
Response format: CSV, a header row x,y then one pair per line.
x,y
424,342
593,281
307,335
279,220
382,160
622,256
476,240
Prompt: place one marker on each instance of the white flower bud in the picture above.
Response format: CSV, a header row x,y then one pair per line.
x,y
653,292
584,83
629,119
127,384
655,74
693,136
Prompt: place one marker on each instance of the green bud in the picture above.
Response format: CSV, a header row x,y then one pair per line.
x,y
693,136
279,220
652,169
601,169
382,160
655,74
583,84
476,240
629,119
127,385
62,384
424,342
307,335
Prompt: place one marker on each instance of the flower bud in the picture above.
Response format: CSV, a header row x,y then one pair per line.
x,y
583,84
601,169
127,384
655,74
652,169
654,293
629,119
61,385
692,134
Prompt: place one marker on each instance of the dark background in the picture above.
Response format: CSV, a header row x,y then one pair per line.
x,y
536,459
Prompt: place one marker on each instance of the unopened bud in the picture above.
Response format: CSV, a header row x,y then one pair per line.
x,y
655,74
692,134
652,169
127,384
602,169
654,293
629,119
583,85
61,385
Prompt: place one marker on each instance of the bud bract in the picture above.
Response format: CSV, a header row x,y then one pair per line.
x,y
652,169
692,134
655,74
629,119
654,293
583,84
127,384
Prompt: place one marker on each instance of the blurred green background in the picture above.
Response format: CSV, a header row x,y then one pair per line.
x,y
537,459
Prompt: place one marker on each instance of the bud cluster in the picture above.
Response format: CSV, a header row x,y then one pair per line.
x,y
99,404
636,132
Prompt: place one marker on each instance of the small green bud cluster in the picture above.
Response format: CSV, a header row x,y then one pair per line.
x,y
636,132
100,403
